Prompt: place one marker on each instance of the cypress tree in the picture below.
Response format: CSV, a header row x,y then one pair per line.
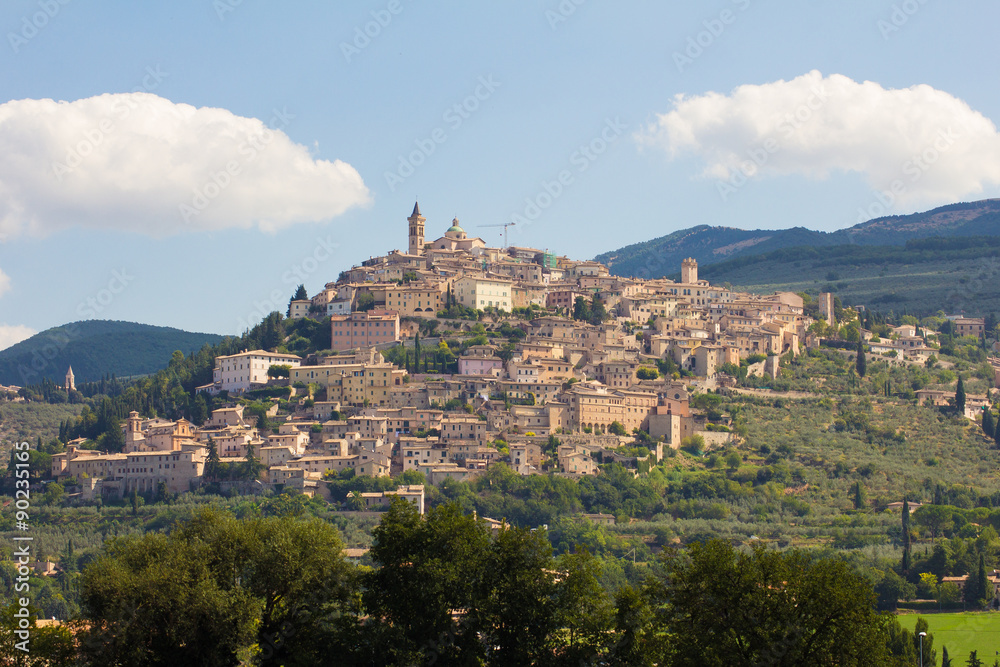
x,y
906,537
981,580
989,426
861,364
416,353
859,496
996,435
960,395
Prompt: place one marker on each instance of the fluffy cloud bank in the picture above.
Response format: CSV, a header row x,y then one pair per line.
x,y
11,334
139,162
919,143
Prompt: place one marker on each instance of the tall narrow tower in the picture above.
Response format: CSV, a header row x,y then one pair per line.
x,y
416,230
689,271
70,383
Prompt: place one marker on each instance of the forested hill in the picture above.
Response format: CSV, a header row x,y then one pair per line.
x,y
95,348
662,256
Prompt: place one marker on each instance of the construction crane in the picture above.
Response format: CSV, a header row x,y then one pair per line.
x,y
505,226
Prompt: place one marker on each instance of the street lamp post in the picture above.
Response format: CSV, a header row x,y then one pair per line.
x,y
922,635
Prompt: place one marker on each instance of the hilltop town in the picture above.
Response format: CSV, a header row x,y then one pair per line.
x,y
560,367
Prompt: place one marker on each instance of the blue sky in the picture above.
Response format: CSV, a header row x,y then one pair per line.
x,y
477,108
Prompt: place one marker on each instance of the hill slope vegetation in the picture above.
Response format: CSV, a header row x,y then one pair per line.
x,y
96,348
709,245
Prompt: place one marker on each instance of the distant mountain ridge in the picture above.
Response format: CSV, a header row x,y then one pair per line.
x,y
95,348
662,256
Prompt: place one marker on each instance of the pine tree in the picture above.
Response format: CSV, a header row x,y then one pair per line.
x,y
299,295
945,660
861,364
960,395
973,660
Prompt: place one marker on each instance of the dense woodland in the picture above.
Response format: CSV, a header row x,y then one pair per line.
x,y
95,348
445,589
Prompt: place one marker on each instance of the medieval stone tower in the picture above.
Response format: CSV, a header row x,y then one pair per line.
x,y
416,231
689,271
70,381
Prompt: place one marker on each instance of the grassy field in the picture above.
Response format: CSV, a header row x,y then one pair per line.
x,y
962,633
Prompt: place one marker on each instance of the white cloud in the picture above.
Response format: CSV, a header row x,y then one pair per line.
x,y
4,282
11,334
134,161
929,145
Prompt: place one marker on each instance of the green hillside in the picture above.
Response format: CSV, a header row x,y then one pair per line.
x,y
710,245
95,348
922,277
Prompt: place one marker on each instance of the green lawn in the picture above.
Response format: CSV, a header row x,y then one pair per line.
x,y
962,633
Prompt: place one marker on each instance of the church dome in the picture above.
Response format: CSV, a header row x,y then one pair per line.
x,y
455,231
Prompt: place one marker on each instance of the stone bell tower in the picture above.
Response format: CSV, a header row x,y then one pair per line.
x,y
416,231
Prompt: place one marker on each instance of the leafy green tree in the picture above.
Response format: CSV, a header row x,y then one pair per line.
x,y
220,591
726,607
273,331
279,371
616,428
938,519
581,309
891,589
515,609
583,609
113,439
425,569
636,641
646,373
364,302
251,467
50,646
154,601
948,594
199,409
598,313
